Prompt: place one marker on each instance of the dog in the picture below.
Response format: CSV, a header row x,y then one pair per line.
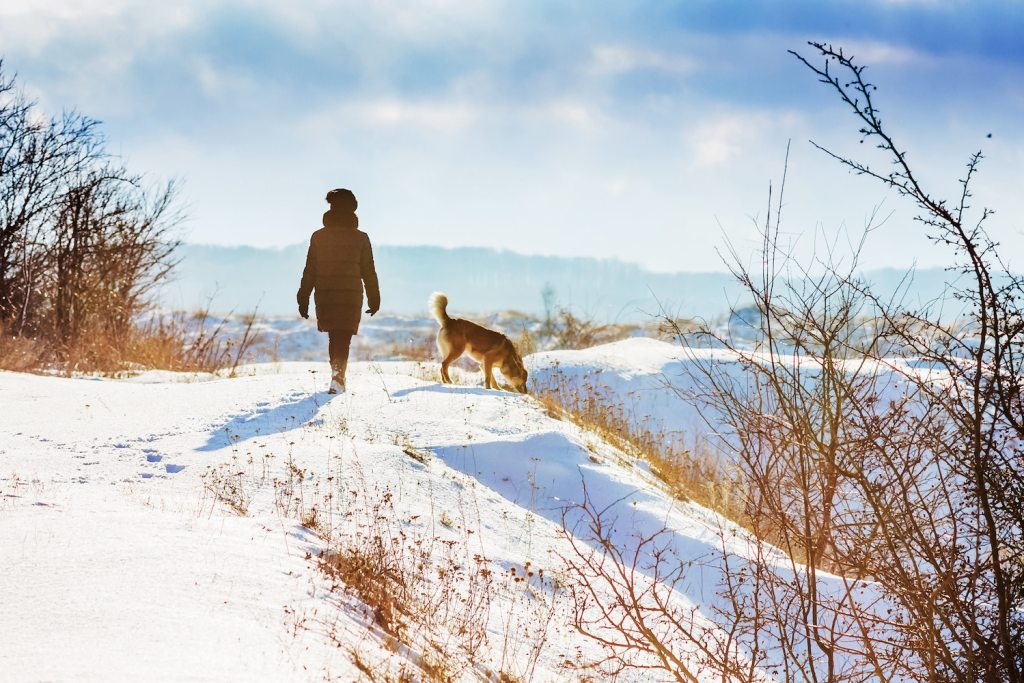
x,y
486,347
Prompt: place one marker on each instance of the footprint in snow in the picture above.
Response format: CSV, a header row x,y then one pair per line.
x,y
173,469
154,457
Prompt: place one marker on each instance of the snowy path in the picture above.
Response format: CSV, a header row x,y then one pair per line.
x,y
109,568
117,563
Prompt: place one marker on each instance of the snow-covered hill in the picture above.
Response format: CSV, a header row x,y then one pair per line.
x,y
170,527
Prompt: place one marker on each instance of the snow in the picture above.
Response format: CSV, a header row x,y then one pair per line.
x,y
120,558
647,377
110,568
660,385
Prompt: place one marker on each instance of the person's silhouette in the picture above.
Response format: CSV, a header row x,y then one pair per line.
x,y
339,263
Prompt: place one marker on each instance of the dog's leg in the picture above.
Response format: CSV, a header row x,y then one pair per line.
x,y
453,355
449,359
444,347
489,382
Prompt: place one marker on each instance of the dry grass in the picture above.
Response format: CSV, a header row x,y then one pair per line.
x,y
690,472
374,580
423,348
180,342
176,343
20,354
365,667
426,593
419,589
226,484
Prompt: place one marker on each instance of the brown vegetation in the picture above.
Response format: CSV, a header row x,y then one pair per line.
x,y
904,480
429,594
691,471
84,242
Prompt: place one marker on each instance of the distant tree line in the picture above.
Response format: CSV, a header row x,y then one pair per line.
x,y
83,240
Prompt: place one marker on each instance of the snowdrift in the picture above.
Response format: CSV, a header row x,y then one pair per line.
x,y
171,527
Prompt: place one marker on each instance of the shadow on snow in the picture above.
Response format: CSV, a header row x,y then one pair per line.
x,y
283,417
545,473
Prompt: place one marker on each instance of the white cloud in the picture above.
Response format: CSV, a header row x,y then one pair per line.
x,y
869,52
617,186
569,112
34,27
446,87
392,113
63,9
211,81
613,60
720,140
451,116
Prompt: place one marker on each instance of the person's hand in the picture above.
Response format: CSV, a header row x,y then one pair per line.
x,y
304,311
372,311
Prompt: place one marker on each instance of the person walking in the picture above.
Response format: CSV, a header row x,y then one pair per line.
x,y
339,264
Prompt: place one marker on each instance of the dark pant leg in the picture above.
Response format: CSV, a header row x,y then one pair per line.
x,y
337,347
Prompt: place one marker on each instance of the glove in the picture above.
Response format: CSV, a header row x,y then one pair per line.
x,y
304,311
372,311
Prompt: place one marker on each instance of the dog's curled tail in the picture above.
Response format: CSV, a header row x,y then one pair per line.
x,y
439,307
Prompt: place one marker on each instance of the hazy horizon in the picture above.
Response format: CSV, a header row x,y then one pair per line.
x,y
721,266
481,280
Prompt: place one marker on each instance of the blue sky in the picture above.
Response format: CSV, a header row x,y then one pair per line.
x,y
645,130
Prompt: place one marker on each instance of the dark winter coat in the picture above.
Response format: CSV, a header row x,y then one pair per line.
x,y
339,263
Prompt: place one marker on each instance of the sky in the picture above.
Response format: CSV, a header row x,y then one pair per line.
x,y
647,131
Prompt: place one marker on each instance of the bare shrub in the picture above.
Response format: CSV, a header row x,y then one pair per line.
x,y
963,554
527,341
631,614
571,331
197,347
562,327
419,589
227,485
83,241
865,465
879,449
21,354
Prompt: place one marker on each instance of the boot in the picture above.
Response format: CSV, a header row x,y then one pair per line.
x,y
338,380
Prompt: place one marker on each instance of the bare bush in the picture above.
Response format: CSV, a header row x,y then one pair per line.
x,y
564,328
970,550
419,589
571,331
862,464
83,241
879,448
625,600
